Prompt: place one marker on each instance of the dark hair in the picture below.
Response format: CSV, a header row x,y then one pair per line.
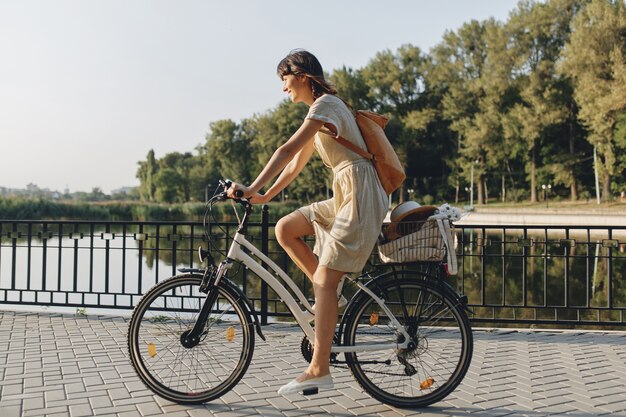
x,y
301,62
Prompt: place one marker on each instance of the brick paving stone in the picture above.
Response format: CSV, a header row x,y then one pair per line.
x,y
55,395
281,403
369,410
82,362
75,387
100,401
614,407
232,397
33,403
119,393
10,411
499,403
178,414
82,410
235,413
559,409
137,400
68,402
113,410
200,412
307,412
301,401
135,386
134,413
45,411
12,389
149,409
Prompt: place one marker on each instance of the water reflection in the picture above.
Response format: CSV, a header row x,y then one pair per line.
x,y
568,268
113,264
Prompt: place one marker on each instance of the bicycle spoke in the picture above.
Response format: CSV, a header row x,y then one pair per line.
x,y
189,373
439,347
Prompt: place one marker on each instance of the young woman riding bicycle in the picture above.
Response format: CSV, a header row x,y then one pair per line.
x,y
346,226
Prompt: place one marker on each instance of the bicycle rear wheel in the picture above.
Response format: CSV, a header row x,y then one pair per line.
x,y
440,333
189,375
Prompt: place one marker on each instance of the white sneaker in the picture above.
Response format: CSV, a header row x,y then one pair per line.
x,y
308,387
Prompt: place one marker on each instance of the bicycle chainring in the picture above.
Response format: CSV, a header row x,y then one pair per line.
x,y
307,349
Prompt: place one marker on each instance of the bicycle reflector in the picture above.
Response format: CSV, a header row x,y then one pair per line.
x,y
152,350
427,383
373,318
230,333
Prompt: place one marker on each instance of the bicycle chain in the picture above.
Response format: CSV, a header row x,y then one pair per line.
x,y
307,352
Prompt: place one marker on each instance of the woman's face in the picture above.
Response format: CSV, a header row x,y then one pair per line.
x,y
297,86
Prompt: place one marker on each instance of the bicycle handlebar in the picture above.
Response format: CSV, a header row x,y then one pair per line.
x,y
226,184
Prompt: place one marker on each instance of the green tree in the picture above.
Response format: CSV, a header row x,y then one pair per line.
x,y
146,173
230,150
594,59
172,180
397,87
472,71
351,87
538,32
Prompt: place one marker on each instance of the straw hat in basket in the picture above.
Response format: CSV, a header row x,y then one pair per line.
x,y
407,218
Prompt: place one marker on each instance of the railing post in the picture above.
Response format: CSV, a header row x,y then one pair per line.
x,y
265,249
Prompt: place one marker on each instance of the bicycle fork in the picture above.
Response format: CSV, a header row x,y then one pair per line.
x,y
210,281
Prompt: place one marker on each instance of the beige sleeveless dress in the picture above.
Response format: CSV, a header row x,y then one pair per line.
x,y
347,225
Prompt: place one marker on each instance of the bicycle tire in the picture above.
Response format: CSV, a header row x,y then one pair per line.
x,y
189,375
438,325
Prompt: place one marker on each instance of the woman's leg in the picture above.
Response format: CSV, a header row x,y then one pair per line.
x,y
325,281
289,232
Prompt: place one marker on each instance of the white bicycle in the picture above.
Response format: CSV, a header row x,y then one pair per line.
x,y
405,335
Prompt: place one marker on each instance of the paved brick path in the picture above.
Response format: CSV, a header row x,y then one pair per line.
x,y
60,365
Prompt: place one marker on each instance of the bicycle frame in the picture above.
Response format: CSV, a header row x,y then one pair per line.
x,y
237,253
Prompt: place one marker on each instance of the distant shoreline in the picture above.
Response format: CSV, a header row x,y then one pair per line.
x,y
561,216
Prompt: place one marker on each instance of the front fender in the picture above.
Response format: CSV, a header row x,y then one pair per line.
x,y
233,288
227,282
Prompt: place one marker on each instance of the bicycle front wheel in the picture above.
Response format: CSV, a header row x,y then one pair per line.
x,y
189,375
440,351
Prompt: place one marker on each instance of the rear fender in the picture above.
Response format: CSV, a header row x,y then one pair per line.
x,y
382,279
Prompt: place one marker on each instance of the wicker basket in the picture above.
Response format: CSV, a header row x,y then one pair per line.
x,y
412,242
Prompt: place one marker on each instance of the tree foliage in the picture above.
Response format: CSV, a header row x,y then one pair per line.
x,y
508,106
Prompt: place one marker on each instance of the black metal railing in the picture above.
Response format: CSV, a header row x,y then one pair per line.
x,y
511,274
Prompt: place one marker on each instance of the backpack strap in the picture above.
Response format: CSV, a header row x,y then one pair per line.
x,y
345,142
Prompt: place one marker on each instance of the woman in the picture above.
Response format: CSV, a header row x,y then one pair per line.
x,y
346,226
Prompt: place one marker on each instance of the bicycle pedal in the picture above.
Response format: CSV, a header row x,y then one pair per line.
x,y
310,391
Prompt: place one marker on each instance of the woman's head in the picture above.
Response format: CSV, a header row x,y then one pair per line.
x,y
302,63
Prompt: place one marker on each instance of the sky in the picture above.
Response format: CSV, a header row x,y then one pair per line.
x,y
87,88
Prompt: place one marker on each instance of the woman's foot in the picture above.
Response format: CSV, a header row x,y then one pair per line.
x,y
307,385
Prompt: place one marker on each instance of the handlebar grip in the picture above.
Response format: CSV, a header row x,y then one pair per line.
x,y
238,193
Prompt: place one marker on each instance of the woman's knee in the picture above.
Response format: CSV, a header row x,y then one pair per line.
x,y
292,226
282,230
327,278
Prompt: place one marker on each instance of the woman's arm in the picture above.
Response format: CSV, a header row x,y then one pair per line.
x,y
292,150
291,171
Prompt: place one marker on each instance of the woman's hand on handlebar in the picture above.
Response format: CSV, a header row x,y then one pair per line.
x,y
237,191
259,199
241,191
